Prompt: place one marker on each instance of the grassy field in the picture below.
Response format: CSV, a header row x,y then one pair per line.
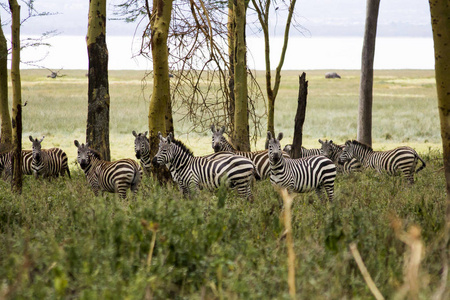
x,y
59,241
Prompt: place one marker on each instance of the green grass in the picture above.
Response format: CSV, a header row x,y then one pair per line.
x,y
59,241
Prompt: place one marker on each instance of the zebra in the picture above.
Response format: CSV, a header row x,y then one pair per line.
x,y
302,174
6,164
142,150
48,162
304,152
259,158
106,176
197,172
333,151
402,159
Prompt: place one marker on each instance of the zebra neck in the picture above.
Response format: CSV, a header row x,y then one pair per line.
x,y
146,159
227,146
93,162
277,166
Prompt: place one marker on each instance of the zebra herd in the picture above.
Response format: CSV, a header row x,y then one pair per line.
x,y
315,170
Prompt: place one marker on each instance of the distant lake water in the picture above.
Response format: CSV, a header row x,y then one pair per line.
x,y
327,53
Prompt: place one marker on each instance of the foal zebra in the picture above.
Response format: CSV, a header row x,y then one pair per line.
x,y
113,177
333,151
302,174
6,164
259,158
304,152
142,150
196,172
48,162
403,159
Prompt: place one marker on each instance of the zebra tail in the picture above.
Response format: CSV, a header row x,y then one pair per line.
x,y
423,164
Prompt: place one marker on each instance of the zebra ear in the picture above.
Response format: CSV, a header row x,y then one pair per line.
x,y
40,141
269,135
76,143
160,135
280,136
87,145
31,139
134,133
222,130
145,133
331,141
213,128
170,138
320,141
347,143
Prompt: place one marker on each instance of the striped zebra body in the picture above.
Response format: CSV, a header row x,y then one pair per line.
x,y
399,160
333,151
6,164
48,162
302,174
106,176
259,158
304,152
197,172
142,151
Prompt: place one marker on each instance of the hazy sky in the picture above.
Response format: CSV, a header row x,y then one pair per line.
x,y
319,18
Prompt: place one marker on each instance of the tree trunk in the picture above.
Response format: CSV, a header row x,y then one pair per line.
x,y
231,27
263,10
366,85
241,129
300,117
16,184
6,127
97,130
440,22
160,110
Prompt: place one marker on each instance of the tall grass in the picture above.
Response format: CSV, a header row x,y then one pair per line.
x,y
59,241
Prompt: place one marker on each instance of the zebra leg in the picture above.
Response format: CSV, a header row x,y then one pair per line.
x,y
319,193
329,190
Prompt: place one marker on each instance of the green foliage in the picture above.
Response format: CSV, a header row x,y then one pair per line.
x,y
59,241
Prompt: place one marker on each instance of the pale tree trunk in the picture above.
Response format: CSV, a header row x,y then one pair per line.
x,y
6,128
241,130
97,130
440,22
366,85
160,107
262,10
16,184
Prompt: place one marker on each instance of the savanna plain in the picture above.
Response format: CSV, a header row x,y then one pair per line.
x,y
57,240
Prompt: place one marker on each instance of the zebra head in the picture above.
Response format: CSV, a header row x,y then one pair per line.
x,y
36,146
329,149
217,138
347,154
141,144
83,156
275,153
288,149
165,153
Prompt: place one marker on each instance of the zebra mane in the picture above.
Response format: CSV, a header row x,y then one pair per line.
x,y
364,146
95,153
182,146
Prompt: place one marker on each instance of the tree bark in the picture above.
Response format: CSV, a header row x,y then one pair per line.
x,y
241,128
16,184
300,117
97,130
440,22
231,28
6,127
366,85
160,111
